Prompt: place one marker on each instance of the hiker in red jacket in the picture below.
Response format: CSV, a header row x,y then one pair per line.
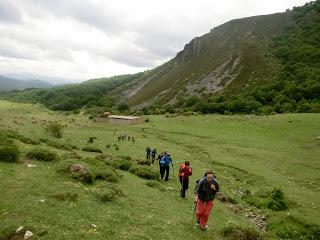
x,y
184,172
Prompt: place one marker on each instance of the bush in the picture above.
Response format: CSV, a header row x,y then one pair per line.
x,y
143,162
276,202
55,129
124,165
79,172
105,196
91,149
9,153
22,138
66,196
144,172
57,144
42,155
240,233
106,175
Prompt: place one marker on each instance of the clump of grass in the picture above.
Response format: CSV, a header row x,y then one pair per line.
x,y
233,232
91,149
144,172
276,201
55,129
58,145
107,195
66,196
42,155
72,155
143,162
125,157
106,175
104,156
81,173
122,164
9,153
26,140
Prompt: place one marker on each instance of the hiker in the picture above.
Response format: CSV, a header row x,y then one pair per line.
x,y
148,150
205,193
165,165
153,154
184,172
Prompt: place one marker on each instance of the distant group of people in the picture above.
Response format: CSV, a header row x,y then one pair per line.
x,y
151,153
125,137
206,187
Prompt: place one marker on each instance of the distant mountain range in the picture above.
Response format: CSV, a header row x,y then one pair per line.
x,y
7,84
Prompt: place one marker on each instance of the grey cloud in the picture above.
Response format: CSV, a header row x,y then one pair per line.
x,y
10,53
80,11
9,13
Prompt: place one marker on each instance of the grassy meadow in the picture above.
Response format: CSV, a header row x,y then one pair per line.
x,y
251,156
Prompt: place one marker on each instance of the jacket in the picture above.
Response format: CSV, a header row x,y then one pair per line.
x,y
203,190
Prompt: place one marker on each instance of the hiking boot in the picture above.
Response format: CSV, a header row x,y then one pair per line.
x,y
203,228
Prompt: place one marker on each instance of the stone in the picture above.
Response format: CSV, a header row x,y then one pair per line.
x,y
28,234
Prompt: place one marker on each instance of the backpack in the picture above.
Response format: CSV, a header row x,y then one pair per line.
x,y
185,171
165,161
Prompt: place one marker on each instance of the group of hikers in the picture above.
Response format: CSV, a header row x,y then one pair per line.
x,y
205,190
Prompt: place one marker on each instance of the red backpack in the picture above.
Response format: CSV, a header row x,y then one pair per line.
x,y
185,171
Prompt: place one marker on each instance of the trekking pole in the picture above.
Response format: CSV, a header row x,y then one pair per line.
x,y
194,213
173,171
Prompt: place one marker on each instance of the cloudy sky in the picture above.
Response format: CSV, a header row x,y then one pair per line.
x,y
84,39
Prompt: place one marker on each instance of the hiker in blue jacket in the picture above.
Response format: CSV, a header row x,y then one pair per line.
x,y
165,165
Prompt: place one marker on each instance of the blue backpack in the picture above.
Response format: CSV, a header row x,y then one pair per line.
x,y
165,161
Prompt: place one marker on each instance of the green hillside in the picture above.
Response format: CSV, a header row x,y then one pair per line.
x,y
256,65
267,166
74,96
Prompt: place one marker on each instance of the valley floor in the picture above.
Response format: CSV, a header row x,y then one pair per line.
x,y
251,156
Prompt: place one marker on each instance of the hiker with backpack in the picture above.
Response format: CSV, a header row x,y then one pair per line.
x,y
153,154
148,150
165,165
205,193
184,172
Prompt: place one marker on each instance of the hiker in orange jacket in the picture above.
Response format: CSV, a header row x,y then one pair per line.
x,y
184,172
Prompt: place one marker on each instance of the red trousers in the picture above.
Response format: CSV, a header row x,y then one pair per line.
x,y
203,212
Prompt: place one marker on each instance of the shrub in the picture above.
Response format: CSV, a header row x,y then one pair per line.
x,y
123,164
143,162
107,195
276,202
91,149
79,172
240,233
66,196
144,172
72,155
125,157
55,129
106,175
9,153
57,144
22,138
42,155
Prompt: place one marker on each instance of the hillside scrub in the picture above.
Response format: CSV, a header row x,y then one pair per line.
x,y
144,172
55,129
9,153
233,232
91,149
41,154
